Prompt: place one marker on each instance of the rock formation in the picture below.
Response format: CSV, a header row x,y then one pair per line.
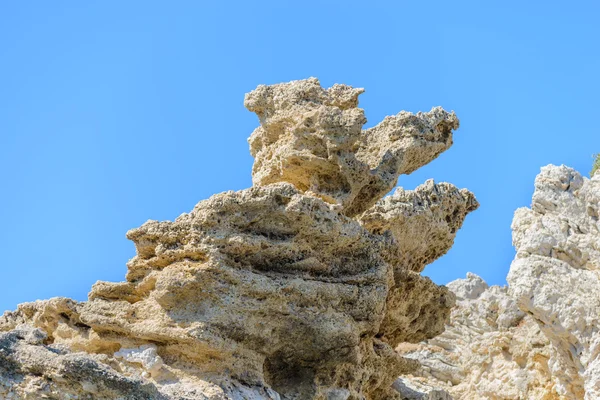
x,y
555,275
300,287
490,350
539,339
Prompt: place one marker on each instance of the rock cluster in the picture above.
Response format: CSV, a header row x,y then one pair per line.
x,y
490,350
555,276
539,338
300,287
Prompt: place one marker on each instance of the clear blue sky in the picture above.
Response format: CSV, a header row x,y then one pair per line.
x,y
115,112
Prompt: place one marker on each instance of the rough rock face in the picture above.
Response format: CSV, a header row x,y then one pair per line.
x,y
539,338
430,215
313,138
490,350
297,288
555,275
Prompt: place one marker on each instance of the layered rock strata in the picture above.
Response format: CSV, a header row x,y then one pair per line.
x,y
300,287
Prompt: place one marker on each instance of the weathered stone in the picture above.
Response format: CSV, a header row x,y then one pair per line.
x,y
538,339
423,221
292,289
312,137
413,390
489,350
555,275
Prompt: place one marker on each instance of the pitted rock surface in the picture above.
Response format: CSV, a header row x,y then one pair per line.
x,y
300,287
312,137
537,339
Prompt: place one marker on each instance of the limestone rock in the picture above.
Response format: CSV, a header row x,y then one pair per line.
x,y
411,389
489,350
555,275
312,137
293,289
423,221
537,339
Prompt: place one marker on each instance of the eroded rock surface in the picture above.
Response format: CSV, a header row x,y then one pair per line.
x,y
312,137
555,275
430,216
490,350
538,338
300,287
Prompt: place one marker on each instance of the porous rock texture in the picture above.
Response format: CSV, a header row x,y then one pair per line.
x,y
313,138
555,275
300,287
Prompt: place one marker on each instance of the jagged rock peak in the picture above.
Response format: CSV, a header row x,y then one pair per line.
x,y
555,274
298,288
537,339
312,137
423,221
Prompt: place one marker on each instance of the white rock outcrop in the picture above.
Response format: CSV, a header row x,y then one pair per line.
x,y
490,350
555,276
